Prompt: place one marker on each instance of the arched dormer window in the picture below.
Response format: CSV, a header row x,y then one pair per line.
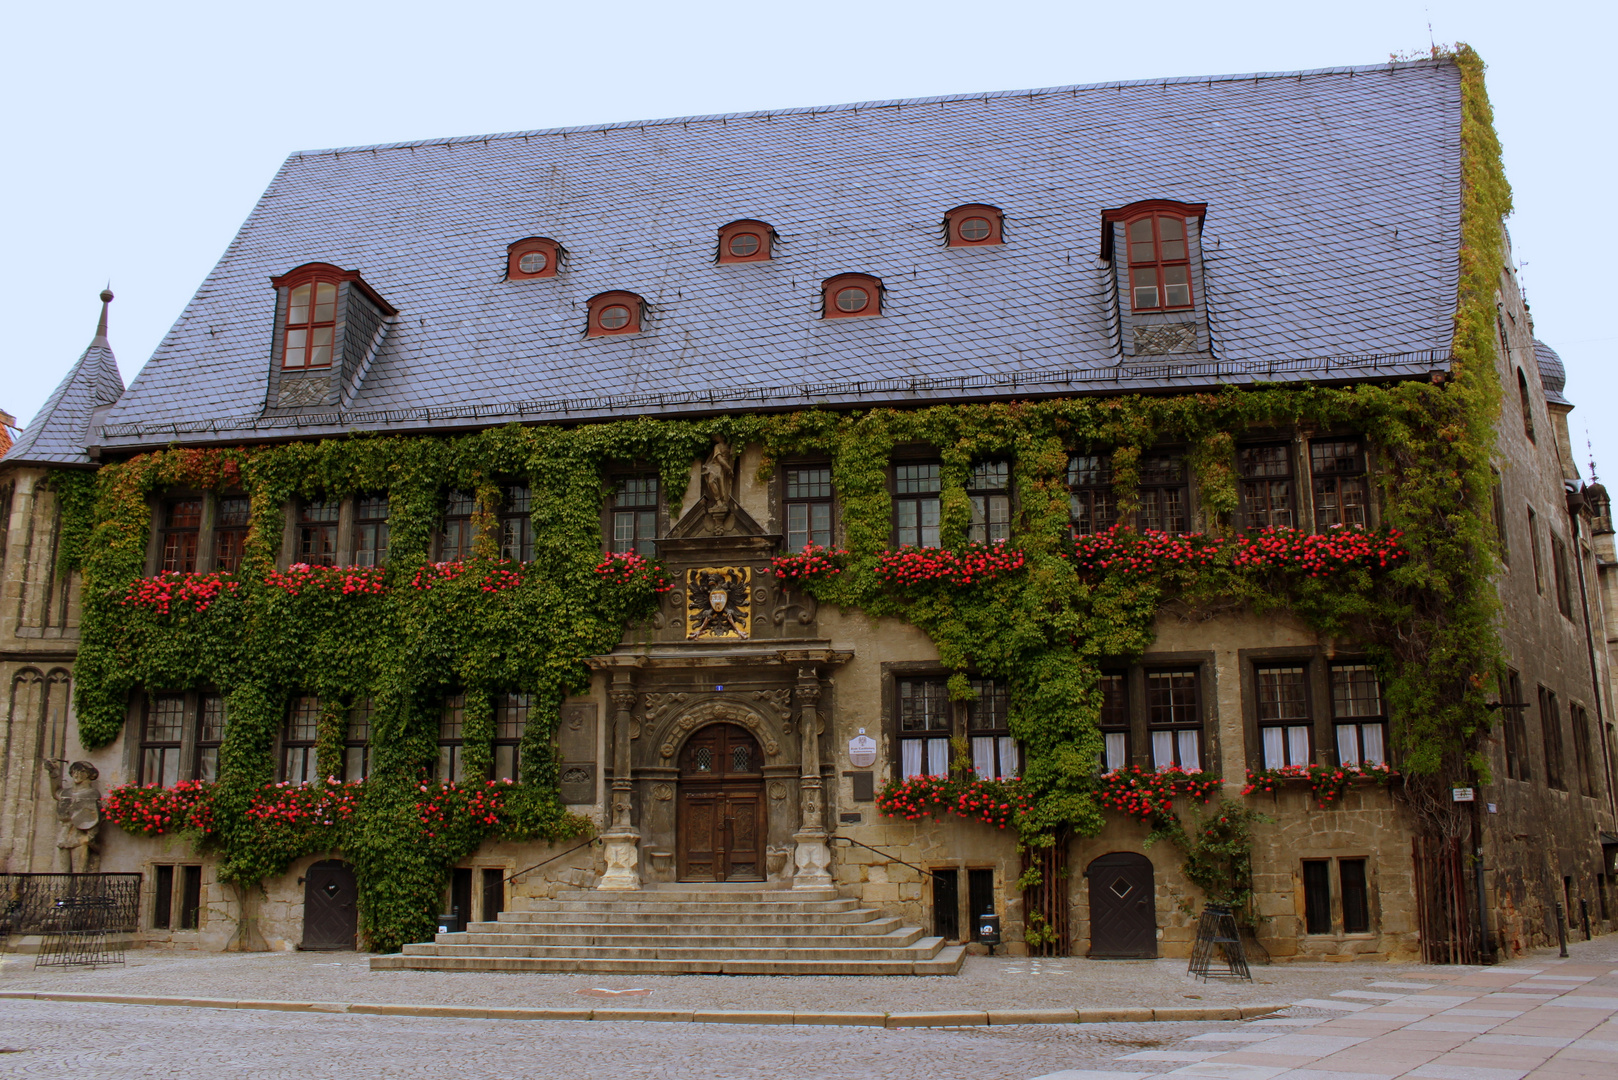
x,y
1157,240
746,241
974,225
615,313
850,296
313,306
533,257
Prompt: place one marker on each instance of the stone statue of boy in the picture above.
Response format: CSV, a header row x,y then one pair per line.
x,y
78,810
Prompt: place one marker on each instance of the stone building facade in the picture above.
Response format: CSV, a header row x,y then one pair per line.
x,y
805,705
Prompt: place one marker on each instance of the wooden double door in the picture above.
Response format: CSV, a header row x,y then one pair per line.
x,y
720,815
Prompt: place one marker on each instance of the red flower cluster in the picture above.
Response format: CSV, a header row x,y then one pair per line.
x,y
306,805
442,802
812,561
994,802
1316,554
152,810
628,568
1146,795
344,580
969,566
500,576
1326,783
161,592
1145,553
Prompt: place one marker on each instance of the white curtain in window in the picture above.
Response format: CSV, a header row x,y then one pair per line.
x,y
910,757
1348,744
983,757
1375,752
1162,749
938,757
1116,741
1008,757
1190,749
1297,746
1275,749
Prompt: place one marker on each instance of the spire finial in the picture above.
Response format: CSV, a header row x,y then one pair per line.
x,y
101,327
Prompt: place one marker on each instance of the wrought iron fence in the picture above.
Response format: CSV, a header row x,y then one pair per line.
x,y
1444,911
78,915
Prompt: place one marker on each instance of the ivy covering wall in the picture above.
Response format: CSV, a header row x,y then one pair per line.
x,y
1427,621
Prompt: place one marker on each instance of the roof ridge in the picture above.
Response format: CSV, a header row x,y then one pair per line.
x,y
891,103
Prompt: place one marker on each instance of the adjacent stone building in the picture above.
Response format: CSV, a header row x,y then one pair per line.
x,y
1181,240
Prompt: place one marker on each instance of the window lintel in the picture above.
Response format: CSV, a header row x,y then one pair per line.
x,y
319,271
1143,208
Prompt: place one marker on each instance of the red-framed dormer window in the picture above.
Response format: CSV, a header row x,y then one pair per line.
x,y
614,313
533,257
851,296
746,241
312,312
1157,239
973,225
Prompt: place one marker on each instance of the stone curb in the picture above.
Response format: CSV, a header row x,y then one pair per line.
x,y
988,1018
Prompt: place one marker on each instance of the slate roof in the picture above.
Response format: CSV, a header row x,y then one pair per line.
x,y
1552,373
1330,250
57,433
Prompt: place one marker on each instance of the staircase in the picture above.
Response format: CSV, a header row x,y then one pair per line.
x,y
719,929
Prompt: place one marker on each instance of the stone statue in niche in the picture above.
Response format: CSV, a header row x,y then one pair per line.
x,y
78,813
718,485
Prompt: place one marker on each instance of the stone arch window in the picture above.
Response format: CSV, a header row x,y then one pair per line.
x,y
533,257
974,225
614,314
746,241
1527,405
851,296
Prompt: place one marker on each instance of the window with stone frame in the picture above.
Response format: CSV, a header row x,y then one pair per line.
x,y
311,322
455,539
231,515
1501,536
371,530
1518,764
451,739
1358,715
1164,496
177,908
1174,718
1534,548
1269,500
989,491
317,532
1159,263
1550,724
925,724
808,506
1582,758
1341,488
299,764
1527,406
917,508
1317,896
516,524
161,737
1114,720
634,515
210,736
357,741
182,518
511,711
995,754
1561,571
1092,504
1282,693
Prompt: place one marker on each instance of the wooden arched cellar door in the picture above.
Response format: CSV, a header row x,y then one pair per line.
x,y
330,912
1123,909
720,811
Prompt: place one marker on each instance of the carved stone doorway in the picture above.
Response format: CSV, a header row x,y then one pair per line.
x,y
1123,911
720,813
329,912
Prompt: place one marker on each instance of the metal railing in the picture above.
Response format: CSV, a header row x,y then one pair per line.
x,y
77,915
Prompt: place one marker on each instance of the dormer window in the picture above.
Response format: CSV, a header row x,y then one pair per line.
x,y
746,241
311,321
535,257
1159,263
973,225
851,296
1155,248
614,313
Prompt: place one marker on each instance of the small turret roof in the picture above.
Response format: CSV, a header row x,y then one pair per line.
x,y
1552,373
58,432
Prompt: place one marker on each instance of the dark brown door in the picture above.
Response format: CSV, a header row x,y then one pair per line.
x,y
329,914
1123,911
721,808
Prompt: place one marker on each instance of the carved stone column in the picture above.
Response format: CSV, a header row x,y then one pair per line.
x,y
811,858
622,839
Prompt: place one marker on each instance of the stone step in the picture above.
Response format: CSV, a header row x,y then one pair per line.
x,y
686,892
619,937
923,949
660,906
946,962
684,917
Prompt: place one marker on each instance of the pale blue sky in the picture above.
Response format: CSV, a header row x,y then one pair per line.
x,y
137,137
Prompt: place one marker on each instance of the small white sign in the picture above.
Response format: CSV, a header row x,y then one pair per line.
x,y
1463,794
862,751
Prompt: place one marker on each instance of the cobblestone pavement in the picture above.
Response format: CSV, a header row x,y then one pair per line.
x,y
1540,1018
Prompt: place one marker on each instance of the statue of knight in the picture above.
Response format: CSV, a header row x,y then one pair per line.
x,y
78,812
